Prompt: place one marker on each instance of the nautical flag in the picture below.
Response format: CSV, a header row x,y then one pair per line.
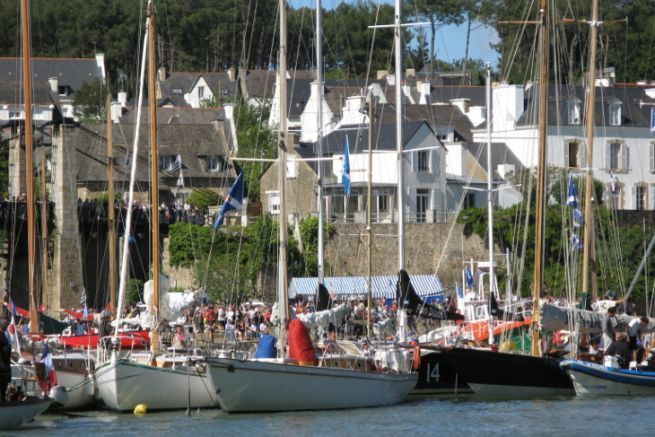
x,y
177,165
180,180
345,177
459,291
576,242
612,182
12,326
572,199
46,359
578,219
652,119
233,200
470,281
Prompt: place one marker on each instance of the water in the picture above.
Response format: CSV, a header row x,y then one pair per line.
x,y
465,415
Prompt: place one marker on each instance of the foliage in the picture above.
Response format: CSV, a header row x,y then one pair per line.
x,y
188,243
89,101
203,198
134,291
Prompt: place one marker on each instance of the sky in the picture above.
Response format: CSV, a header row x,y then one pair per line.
x,y
451,40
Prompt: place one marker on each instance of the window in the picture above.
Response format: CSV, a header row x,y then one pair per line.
x,y
573,154
573,112
167,162
337,205
640,197
214,163
424,160
617,156
615,114
273,202
469,200
383,203
422,196
291,169
201,92
14,115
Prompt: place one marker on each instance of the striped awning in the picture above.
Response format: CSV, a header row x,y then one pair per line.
x,y
381,286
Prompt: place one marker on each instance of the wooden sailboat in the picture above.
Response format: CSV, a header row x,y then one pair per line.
x,y
160,384
283,385
492,373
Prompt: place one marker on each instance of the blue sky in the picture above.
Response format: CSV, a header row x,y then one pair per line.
x,y
451,40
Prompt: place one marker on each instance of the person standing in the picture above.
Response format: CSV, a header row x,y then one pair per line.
x,y
5,360
610,324
635,332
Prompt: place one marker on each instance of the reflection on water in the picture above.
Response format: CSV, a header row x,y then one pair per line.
x,y
466,415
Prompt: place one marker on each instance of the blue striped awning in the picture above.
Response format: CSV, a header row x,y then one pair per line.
x,y
381,286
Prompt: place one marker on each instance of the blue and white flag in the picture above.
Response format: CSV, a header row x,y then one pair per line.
x,y
345,177
576,242
578,219
177,165
652,119
46,359
470,281
572,199
233,200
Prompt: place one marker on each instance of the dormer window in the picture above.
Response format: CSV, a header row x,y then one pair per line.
x,y
201,92
62,90
177,91
168,162
615,113
573,112
214,163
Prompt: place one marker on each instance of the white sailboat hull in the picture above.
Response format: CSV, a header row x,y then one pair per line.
x,y
14,414
80,389
591,379
125,384
245,386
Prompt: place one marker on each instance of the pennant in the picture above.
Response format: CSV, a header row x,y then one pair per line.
x,y
233,200
572,199
345,177
652,119
470,280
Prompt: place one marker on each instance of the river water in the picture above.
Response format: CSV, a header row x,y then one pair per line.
x,y
465,415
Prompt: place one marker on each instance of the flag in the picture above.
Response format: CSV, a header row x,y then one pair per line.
x,y
345,177
612,182
233,200
576,242
578,219
470,281
180,180
572,199
459,291
50,373
12,327
85,312
177,165
652,119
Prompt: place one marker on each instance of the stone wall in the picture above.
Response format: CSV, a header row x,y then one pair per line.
x,y
180,277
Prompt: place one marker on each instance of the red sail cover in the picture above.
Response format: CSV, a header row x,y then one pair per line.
x,y
300,345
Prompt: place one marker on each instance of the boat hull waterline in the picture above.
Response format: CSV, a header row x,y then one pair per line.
x,y
125,384
14,414
252,386
592,379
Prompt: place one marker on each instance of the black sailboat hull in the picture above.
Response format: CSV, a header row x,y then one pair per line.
x,y
500,374
438,377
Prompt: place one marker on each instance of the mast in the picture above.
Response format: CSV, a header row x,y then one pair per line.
x,y
590,120
490,205
319,141
111,224
44,230
399,136
154,175
540,207
369,202
29,163
283,298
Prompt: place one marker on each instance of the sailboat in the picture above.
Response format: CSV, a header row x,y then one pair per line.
x,y
160,384
282,384
491,373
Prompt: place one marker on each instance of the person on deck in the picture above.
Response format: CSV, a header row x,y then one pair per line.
x,y
610,323
621,349
636,329
5,360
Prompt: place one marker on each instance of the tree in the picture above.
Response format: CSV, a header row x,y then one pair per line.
x,y
89,101
203,198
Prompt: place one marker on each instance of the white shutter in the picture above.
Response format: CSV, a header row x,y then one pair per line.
x,y
582,154
431,161
651,196
625,157
566,154
651,157
414,161
633,190
608,151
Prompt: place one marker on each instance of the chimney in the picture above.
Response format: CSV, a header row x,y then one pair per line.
x,y
463,104
381,74
54,84
161,74
231,73
116,111
424,93
122,98
410,72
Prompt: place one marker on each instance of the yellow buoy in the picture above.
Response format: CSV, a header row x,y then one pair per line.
x,y
140,409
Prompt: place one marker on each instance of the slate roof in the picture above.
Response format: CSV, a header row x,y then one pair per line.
x,y
178,115
435,116
179,83
70,71
12,93
444,94
501,154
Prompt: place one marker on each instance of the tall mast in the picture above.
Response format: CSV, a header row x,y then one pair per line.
x,y
369,212
111,224
44,231
319,140
283,300
589,183
399,137
540,207
29,164
154,173
490,204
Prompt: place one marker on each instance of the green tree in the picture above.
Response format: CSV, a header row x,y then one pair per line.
x,y
89,101
203,198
